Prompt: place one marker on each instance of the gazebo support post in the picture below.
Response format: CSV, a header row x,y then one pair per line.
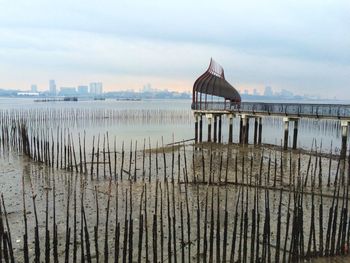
x,y
220,123
200,128
215,128
295,133
286,133
240,130
246,136
230,128
196,128
245,129
209,117
344,138
256,124
260,131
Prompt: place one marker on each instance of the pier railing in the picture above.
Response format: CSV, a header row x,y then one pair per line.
x,y
286,109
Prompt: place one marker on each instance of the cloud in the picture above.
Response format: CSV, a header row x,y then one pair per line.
x,y
286,45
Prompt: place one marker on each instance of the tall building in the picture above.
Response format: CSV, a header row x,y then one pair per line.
x,y
286,93
268,91
68,91
52,87
83,90
34,88
96,88
147,88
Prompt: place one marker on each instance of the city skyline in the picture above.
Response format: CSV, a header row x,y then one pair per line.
x,y
97,88
81,89
302,47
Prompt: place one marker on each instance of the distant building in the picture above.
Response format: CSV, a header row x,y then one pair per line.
x,y
268,91
68,91
34,88
286,93
83,90
27,94
255,92
96,88
52,87
147,88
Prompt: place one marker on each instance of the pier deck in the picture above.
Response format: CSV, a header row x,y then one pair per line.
x,y
292,110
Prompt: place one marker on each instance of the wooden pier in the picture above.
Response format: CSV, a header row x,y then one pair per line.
x,y
290,112
214,98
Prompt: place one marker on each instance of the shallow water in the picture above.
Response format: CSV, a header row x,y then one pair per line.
x,y
171,120
204,167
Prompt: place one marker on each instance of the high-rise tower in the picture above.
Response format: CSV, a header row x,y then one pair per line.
x,y
52,87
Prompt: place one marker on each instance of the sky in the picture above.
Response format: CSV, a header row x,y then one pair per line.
x,y
302,46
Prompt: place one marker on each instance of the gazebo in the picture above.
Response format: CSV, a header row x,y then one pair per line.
x,y
212,87
213,97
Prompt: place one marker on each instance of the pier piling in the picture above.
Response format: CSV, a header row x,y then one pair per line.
x,y
200,127
230,129
256,126
260,131
215,128
246,129
295,134
240,130
209,117
220,124
195,128
286,132
344,130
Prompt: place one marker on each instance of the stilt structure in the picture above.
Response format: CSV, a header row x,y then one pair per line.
x,y
246,130
200,128
240,130
286,122
260,131
215,128
256,127
220,124
230,129
209,117
211,88
286,132
196,127
344,138
295,133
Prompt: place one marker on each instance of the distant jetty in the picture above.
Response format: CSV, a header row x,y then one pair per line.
x,y
99,98
129,99
57,99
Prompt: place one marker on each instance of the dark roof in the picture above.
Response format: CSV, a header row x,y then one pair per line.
x,y
213,82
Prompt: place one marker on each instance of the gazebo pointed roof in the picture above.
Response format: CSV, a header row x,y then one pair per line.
x,y
213,82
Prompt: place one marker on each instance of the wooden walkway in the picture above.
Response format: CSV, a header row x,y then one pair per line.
x,y
292,110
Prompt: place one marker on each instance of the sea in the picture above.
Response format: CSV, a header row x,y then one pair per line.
x,y
167,121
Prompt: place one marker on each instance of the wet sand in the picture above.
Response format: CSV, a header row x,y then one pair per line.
x,y
190,189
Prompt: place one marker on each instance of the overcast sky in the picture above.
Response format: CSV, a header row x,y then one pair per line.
x,y
303,46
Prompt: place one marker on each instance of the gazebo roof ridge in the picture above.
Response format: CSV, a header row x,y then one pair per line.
x,y
212,82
